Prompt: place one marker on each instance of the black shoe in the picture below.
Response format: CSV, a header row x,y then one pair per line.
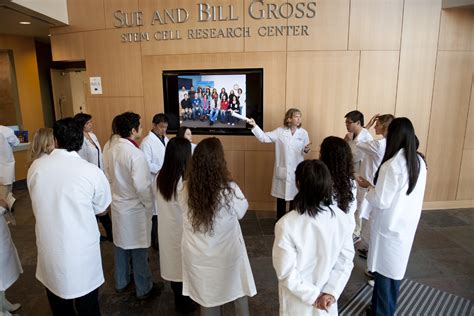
x,y
185,305
368,311
362,253
153,292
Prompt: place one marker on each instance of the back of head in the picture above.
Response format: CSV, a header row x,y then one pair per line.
x,y
177,155
160,118
337,155
401,135
82,119
314,187
126,122
68,134
355,116
181,131
207,180
43,143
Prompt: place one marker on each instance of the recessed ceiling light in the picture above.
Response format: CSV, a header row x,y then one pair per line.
x,y
25,22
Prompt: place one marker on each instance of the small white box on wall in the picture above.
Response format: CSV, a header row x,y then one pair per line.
x,y
96,85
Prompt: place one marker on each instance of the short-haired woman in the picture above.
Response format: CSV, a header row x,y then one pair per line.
x,y
313,249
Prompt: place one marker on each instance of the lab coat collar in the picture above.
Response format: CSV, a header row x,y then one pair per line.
x,y
64,152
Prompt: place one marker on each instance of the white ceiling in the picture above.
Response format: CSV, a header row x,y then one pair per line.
x,y
11,14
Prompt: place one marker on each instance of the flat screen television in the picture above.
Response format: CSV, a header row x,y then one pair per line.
x,y
203,100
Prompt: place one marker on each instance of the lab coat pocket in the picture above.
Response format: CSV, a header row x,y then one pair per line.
x,y
280,173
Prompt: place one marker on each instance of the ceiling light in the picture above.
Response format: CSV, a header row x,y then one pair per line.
x,y
25,22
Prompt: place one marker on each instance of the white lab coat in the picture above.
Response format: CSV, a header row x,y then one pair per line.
x,y
132,196
289,152
91,153
170,231
7,160
10,265
154,151
216,268
66,194
113,140
357,154
312,255
373,151
395,217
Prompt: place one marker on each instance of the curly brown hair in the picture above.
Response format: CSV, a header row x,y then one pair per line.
x,y
337,155
208,181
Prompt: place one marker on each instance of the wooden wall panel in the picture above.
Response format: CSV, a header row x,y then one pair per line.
x,y
377,83
104,109
128,6
469,138
375,24
457,30
67,47
118,64
256,43
327,31
324,86
192,46
448,123
466,176
236,164
84,15
258,175
27,79
417,64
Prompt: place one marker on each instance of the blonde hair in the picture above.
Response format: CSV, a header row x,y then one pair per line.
x,y
289,114
43,143
385,120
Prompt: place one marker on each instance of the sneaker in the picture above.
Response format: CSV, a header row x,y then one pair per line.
x,y
356,239
362,253
371,283
153,292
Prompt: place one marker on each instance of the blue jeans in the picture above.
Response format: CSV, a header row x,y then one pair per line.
x,y
197,112
141,269
385,295
213,115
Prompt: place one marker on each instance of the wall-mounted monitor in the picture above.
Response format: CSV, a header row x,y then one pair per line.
x,y
204,100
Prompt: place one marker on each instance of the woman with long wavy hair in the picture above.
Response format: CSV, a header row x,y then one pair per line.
x,y
397,199
216,268
337,155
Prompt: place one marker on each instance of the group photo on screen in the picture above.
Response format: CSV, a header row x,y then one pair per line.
x,y
209,100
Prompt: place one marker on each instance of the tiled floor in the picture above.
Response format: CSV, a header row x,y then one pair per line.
x,y
442,257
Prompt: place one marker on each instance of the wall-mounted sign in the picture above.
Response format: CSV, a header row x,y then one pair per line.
x,y
257,10
96,85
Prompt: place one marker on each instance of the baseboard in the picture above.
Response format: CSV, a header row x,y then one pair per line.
x,y
447,205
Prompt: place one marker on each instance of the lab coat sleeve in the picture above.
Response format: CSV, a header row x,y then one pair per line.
x,y
83,151
102,195
142,182
305,141
12,139
269,137
341,271
147,150
284,262
370,147
240,203
386,188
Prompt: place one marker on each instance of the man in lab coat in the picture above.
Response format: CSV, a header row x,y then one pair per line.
x,y
132,206
66,193
357,133
153,146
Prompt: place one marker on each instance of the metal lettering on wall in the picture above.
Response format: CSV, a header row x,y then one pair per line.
x,y
257,10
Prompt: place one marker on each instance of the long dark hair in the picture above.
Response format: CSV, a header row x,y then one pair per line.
x,y
314,187
401,135
337,155
177,155
207,181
